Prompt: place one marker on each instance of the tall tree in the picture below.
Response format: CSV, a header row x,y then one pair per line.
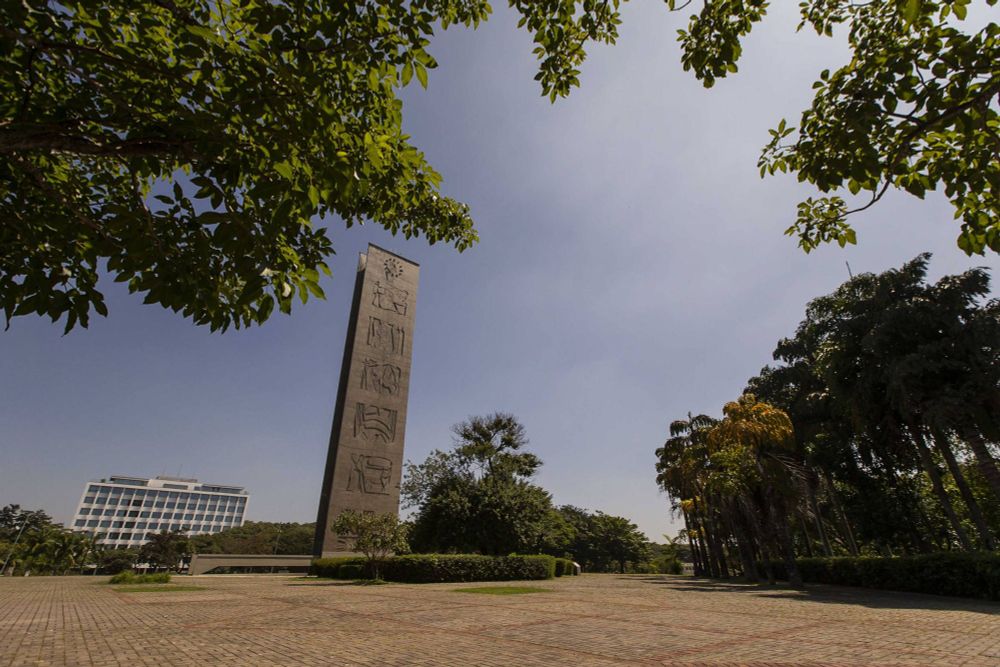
x,y
478,497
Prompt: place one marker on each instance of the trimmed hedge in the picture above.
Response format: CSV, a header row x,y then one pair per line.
x,y
130,577
440,568
970,575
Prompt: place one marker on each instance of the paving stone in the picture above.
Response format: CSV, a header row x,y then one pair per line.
x,y
591,620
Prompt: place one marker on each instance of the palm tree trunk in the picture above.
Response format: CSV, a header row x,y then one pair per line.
x,y
743,544
691,540
706,539
806,537
818,517
943,446
715,547
931,469
831,490
779,522
987,465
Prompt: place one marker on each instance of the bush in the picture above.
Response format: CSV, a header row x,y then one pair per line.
x,y
130,577
351,571
330,567
973,575
440,568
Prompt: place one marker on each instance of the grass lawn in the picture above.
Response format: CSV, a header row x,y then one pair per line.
x,y
503,590
156,588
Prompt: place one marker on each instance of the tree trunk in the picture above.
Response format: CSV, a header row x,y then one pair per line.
x,y
987,465
804,525
706,538
715,548
943,446
814,504
931,469
852,544
691,541
743,544
779,519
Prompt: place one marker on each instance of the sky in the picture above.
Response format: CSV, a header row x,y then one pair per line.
x,y
632,268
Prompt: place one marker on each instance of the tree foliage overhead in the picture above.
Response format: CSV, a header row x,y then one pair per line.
x,y
187,146
917,108
190,148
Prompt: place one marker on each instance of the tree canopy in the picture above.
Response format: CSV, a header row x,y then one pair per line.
x,y
875,433
478,497
258,537
191,149
31,544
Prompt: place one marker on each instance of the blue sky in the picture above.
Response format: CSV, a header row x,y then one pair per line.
x,y
632,268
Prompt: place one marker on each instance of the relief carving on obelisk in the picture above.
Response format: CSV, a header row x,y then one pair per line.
x,y
365,457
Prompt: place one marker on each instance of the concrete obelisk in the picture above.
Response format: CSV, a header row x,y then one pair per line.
x,y
365,459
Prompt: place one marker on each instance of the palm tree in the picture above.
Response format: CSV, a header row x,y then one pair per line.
x,y
679,469
751,447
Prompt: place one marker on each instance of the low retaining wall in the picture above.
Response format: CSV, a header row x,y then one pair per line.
x,y
204,563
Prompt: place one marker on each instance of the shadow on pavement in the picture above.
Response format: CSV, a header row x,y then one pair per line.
x,y
866,597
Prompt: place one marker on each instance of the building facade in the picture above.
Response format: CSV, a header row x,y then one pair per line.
x,y
121,510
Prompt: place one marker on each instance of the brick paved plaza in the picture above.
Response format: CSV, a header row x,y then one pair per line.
x,y
588,620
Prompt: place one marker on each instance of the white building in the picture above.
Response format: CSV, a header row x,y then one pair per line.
x,y
121,511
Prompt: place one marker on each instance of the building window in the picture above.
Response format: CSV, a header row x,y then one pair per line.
x,y
92,523
105,524
80,522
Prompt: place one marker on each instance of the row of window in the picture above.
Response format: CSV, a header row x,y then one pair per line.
x,y
154,493
150,525
137,537
176,517
144,514
149,502
135,500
